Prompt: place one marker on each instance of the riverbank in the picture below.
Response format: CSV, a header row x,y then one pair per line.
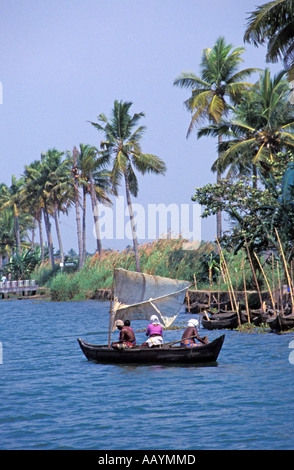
x,y
166,258
170,258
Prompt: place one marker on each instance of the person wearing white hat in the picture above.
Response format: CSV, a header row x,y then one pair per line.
x,y
191,334
127,337
155,333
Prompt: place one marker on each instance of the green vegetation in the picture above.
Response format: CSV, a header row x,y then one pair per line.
x,y
167,258
162,258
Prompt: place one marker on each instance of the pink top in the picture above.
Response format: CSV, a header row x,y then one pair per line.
x,y
154,330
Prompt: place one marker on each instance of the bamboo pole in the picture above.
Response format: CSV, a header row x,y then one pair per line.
x,y
226,272
218,293
210,282
268,286
245,290
207,315
280,290
230,282
227,282
292,273
286,269
254,274
110,310
188,301
195,283
273,278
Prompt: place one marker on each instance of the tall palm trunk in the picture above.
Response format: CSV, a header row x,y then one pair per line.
x,y
219,228
76,198
49,235
41,237
133,225
33,235
17,229
95,215
84,224
55,215
254,174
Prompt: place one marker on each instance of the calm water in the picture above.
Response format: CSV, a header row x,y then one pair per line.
x,y
53,398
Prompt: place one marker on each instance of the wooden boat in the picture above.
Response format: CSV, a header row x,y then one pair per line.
x,y
228,320
137,296
164,354
281,323
196,307
220,315
219,322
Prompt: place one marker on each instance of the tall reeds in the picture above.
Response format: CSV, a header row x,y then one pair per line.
x,y
233,300
267,283
290,283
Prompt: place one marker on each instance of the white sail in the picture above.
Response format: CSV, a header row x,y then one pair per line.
x,y
137,296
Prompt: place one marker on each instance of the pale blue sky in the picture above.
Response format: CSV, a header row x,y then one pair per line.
x,y
63,62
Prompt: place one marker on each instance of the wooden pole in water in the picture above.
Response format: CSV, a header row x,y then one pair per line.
x,y
195,283
210,282
268,286
280,290
273,279
286,269
188,301
230,286
245,290
254,274
226,272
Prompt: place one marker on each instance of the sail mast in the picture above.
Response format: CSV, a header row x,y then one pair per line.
x,y
110,310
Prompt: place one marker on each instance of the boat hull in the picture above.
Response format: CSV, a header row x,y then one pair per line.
x,y
162,355
280,323
220,323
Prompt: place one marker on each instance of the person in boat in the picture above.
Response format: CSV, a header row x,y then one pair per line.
x,y
155,333
190,335
127,338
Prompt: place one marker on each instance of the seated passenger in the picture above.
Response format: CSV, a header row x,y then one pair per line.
x,y
127,337
155,332
191,334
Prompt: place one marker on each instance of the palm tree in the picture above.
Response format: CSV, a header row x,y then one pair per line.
x,y
41,182
263,126
7,234
122,142
11,197
33,199
95,180
273,22
14,222
50,183
76,198
218,88
58,187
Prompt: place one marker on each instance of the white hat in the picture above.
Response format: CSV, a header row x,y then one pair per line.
x,y
154,319
193,322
